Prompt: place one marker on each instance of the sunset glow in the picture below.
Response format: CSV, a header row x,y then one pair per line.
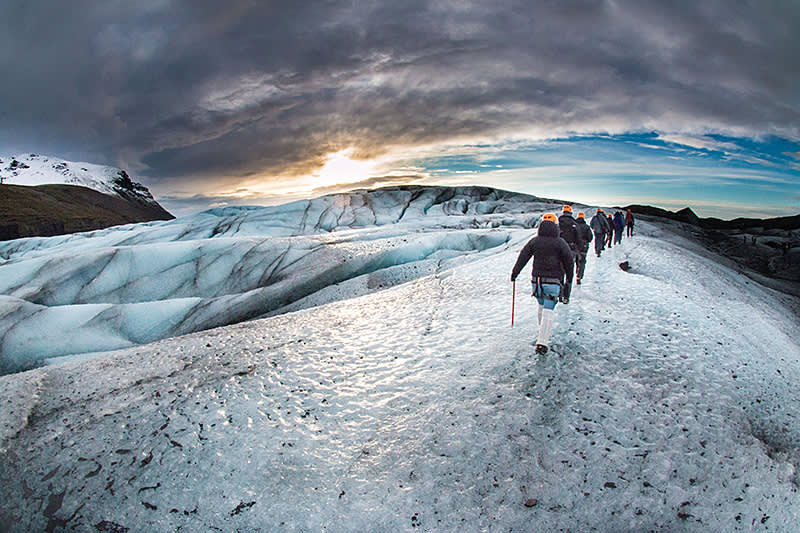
x,y
340,169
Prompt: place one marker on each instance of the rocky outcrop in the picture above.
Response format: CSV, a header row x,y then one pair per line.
x,y
47,210
767,247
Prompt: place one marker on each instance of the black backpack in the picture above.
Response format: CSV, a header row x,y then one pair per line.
x,y
569,231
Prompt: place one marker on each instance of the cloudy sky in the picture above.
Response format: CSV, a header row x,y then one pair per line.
x,y
603,102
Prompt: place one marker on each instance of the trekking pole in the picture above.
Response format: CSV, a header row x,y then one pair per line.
x,y
513,299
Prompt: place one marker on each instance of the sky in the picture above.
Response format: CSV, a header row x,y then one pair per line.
x,y
601,102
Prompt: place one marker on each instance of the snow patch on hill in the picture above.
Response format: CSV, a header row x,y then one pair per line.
x,y
34,169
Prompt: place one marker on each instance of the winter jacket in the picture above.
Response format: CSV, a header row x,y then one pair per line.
x,y
585,233
551,255
599,224
629,218
569,232
619,222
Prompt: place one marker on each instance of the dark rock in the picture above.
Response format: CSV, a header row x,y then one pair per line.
x,y
47,210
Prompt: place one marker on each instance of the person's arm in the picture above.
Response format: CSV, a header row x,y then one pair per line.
x,y
524,256
567,262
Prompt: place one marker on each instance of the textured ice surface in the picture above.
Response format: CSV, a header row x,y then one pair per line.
x,y
668,403
139,283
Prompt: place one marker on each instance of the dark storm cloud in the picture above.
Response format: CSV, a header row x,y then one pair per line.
x,y
204,88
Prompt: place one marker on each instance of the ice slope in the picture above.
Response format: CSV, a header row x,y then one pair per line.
x,y
668,403
134,284
37,169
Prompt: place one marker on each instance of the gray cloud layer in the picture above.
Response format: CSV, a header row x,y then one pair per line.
x,y
195,87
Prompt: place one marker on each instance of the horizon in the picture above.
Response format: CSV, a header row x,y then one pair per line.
x,y
608,103
368,185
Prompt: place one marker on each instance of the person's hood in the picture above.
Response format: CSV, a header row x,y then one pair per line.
x,y
548,229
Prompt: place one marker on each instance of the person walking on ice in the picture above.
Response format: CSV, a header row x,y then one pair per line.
x,y
551,275
599,226
585,233
629,222
619,227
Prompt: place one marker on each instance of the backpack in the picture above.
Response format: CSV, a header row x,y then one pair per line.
x,y
569,231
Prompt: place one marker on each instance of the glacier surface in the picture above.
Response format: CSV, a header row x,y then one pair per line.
x,y
134,284
668,401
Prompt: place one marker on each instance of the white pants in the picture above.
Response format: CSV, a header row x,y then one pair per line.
x,y
546,319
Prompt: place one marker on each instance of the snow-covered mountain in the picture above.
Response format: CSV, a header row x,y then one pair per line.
x,y
34,169
388,390
41,196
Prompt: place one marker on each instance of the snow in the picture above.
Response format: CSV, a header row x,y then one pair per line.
x,y
667,402
35,169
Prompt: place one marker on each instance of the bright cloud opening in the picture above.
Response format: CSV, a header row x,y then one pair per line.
x,y
341,168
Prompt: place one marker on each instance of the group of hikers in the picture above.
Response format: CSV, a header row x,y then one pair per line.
x,y
559,255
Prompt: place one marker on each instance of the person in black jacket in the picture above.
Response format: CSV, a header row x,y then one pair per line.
x,y
585,233
568,229
551,274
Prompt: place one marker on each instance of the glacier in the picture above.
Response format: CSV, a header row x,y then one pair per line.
x,y
398,397
138,283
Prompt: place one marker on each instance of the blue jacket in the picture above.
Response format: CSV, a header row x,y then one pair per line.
x,y
619,222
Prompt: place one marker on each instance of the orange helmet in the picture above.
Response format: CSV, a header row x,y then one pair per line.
x,y
581,215
567,209
550,216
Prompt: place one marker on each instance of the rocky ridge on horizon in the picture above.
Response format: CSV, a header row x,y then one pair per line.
x,y
768,248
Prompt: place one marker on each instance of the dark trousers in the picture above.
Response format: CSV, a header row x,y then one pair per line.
x,y
580,263
599,242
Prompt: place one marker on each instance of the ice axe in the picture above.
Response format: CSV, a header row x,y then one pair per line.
x,y
513,299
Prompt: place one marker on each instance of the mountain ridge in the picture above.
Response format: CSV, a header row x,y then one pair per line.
x,y
767,247
58,209
44,196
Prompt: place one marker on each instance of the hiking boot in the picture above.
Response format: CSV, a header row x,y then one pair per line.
x,y
579,281
541,349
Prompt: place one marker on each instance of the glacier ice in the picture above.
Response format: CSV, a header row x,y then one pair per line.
x,y
138,283
420,408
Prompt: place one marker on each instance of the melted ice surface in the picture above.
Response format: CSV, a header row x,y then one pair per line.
x,y
668,402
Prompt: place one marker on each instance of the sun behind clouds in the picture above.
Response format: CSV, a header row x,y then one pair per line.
x,y
339,168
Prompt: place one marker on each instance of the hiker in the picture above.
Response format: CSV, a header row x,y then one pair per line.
x,y
629,222
619,227
551,275
600,228
568,229
610,234
585,233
